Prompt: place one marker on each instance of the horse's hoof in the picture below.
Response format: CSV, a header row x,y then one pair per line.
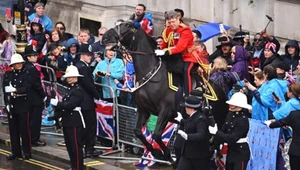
x,y
174,165
157,153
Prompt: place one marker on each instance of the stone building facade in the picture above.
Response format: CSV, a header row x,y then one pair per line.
x,y
251,14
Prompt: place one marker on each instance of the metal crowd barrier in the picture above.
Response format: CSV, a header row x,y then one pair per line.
x,y
126,120
4,65
49,86
126,124
115,144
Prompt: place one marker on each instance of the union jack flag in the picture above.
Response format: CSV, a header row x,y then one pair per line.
x,y
220,162
146,23
105,125
290,77
166,136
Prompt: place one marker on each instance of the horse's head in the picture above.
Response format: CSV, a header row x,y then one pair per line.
x,y
124,32
110,36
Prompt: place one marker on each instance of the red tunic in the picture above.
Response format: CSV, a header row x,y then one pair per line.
x,y
179,41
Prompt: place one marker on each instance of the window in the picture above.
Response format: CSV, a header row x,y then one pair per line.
x,y
92,25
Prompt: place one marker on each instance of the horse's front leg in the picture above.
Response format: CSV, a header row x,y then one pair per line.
x,y
162,121
142,118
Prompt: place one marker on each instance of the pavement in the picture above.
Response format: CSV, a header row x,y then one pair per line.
x,y
59,154
54,152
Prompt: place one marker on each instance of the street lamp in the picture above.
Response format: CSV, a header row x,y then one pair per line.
x,y
19,17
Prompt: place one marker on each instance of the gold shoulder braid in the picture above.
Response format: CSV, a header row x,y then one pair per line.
x,y
168,38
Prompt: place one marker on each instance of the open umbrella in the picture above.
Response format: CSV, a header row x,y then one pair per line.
x,y
209,30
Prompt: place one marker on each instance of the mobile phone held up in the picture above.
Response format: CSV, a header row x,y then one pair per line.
x,y
222,39
8,12
275,96
100,73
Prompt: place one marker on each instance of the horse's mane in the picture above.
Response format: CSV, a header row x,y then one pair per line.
x,y
141,35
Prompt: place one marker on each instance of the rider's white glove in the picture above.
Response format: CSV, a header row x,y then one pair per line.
x,y
160,52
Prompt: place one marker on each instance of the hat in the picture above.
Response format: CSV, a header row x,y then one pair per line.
x,y
72,71
16,58
85,49
239,99
36,20
271,46
192,102
30,50
239,35
197,93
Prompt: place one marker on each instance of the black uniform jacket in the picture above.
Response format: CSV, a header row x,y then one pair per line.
x,y
19,102
236,127
88,86
293,120
72,99
36,93
197,144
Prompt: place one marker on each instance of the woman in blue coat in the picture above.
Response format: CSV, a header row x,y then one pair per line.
x,y
293,94
108,70
263,103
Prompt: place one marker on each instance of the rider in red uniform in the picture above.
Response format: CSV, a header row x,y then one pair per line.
x,y
178,39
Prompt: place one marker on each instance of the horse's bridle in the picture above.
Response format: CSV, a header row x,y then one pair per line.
x,y
132,30
152,72
118,31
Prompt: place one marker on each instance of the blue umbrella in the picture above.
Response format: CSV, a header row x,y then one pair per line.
x,y
209,30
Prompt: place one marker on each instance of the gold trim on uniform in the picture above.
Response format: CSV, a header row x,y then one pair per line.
x,y
170,78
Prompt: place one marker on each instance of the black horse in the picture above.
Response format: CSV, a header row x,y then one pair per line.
x,y
154,96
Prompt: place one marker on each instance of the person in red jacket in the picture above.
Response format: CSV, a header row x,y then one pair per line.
x,y
3,34
178,39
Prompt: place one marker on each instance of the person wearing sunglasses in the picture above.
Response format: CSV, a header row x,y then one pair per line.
x,y
260,40
62,29
239,69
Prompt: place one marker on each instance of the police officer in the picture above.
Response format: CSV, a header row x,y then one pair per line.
x,y
88,105
36,95
195,152
17,104
72,118
178,142
234,133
